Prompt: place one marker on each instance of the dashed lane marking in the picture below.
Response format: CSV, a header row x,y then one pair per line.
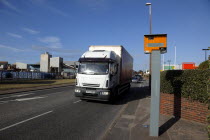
x,y
20,95
77,101
26,99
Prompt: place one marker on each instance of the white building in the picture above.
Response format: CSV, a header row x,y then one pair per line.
x,y
56,64
45,62
22,66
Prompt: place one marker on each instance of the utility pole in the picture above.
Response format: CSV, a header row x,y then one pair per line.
x,y
163,62
175,56
206,52
150,31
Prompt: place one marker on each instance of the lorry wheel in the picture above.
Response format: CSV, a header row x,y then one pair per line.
x,y
113,96
83,99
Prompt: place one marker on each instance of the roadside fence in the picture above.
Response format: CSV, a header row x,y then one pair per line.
x,y
14,75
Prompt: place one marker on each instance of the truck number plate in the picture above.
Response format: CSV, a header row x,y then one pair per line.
x,y
90,91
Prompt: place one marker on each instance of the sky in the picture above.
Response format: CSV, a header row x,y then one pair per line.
x,y
66,28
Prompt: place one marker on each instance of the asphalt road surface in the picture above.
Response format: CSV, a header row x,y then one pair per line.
x,y
55,114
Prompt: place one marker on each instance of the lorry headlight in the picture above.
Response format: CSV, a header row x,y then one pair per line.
x,y
104,93
77,90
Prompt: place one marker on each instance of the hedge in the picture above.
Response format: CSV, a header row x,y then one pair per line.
x,y
191,84
204,65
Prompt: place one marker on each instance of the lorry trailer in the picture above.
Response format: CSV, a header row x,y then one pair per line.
x,y
104,72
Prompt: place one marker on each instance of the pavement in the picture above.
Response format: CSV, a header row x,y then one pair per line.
x,y
133,123
54,113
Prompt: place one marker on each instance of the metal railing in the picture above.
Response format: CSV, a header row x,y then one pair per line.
x,y
14,75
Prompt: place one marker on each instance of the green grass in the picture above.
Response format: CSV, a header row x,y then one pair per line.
x,y
6,85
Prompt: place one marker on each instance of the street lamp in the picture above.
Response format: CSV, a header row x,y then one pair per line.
x,y
150,31
150,15
206,52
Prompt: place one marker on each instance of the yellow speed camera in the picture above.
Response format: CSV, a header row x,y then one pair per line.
x,y
155,42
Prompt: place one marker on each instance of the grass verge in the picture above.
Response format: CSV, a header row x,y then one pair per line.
x,y
6,85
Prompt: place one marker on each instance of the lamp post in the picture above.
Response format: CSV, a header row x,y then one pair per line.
x,y
163,62
206,52
150,17
150,31
175,56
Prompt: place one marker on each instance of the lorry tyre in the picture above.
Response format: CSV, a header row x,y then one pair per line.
x,y
112,97
82,99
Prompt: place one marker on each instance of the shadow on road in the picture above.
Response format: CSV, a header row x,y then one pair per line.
x,y
135,93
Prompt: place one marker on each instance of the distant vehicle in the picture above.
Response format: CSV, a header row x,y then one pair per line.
x,y
137,79
134,79
147,72
104,72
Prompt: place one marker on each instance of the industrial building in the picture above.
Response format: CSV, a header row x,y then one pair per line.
x,y
45,62
56,64
22,66
3,65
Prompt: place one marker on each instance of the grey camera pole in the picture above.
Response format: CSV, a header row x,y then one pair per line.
x,y
155,93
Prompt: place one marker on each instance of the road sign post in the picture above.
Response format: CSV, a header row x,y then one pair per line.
x,y
155,44
155,94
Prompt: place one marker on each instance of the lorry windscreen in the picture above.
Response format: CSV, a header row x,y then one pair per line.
x,y
97,68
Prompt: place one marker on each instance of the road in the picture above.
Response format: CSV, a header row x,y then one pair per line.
x,y
53,114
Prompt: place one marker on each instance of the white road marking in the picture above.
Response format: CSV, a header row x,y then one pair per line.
x,y
77,101
25,120
23,99
26,99
17,95
20,95
23,95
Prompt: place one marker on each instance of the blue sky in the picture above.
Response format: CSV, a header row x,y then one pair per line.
x,y
67,27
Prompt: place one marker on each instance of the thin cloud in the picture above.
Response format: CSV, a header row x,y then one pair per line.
x,y
51,41
57,50
30,31
10,48
10,6
57,11
94,4
14,35
45,4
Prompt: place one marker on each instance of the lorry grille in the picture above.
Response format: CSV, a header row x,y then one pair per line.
x,y
91,85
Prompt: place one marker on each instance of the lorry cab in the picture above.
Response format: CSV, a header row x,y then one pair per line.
x,y
103,73
97,75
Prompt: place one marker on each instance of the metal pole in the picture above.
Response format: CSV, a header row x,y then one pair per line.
x,y
155,94
175,57
205,53
150,17
150,31
163,62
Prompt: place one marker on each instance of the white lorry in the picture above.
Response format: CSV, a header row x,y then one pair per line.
x,y
103,73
